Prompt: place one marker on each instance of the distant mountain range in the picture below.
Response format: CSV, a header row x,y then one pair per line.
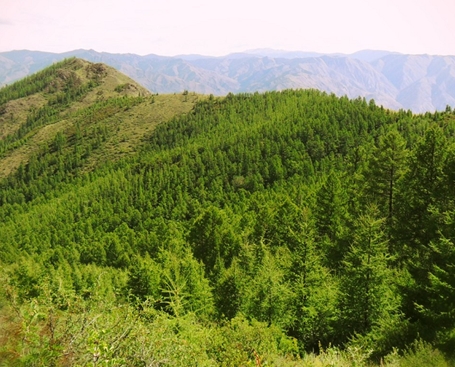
x,y
416,82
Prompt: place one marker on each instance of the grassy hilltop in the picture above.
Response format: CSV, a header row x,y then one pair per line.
x,y
75,99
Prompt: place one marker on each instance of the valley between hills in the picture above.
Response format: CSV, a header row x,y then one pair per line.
x,y
293,227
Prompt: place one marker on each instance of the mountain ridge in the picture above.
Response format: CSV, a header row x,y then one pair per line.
x,y
397,81
74,99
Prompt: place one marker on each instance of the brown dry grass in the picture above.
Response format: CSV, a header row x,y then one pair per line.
x,y
134,125
40,138
15,113
110,80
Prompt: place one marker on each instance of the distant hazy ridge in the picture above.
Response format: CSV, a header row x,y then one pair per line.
x,y
416,82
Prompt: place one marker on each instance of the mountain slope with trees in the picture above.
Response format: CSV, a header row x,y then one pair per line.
x,y
285,228
102,114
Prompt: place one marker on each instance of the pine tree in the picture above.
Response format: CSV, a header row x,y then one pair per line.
x,y
421,190
367,281
436,307
213,237
267,294
143,279
332,218
385,167
314,289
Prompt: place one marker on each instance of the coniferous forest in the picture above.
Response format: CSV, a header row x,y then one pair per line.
x,y
290,228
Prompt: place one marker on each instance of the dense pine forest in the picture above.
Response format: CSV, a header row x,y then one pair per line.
x,y
290,228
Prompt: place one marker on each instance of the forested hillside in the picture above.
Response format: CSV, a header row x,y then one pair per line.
x,y
286,228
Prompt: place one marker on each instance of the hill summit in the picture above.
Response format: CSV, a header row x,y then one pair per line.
x,y
76,106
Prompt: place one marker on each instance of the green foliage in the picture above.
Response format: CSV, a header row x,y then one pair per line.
x,y
366,287
183,285
144,279
213,237
422,354
385,168
284,228
332,219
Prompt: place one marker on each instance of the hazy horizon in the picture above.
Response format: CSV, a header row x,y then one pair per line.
x,y
255,51
216,29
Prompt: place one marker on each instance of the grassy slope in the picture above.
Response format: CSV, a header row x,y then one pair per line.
x,y
133,125
127,126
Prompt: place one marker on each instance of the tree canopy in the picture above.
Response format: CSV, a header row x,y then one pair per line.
x,y
253,227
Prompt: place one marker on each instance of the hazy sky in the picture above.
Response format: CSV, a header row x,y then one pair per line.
x,y
211,27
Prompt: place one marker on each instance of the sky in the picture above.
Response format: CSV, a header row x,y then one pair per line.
x,y
216,28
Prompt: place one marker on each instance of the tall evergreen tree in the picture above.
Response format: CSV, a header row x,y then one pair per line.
x,y
332,218
367,286
421,190
385,167
436,307
314,288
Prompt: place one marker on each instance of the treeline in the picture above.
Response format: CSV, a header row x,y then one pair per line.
x,y
315,220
